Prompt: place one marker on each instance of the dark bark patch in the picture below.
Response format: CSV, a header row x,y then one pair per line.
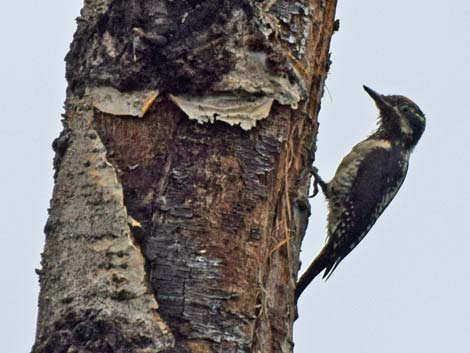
x,y
60,145
175,46
196,192
91,331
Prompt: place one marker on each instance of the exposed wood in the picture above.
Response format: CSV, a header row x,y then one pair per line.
x,y
218,212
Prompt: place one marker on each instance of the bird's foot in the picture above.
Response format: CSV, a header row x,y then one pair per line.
x,y
317,180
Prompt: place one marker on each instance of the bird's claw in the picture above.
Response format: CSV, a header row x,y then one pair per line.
x,y
315,189
317,180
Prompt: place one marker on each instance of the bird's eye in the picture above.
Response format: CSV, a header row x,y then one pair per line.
x,y
404,109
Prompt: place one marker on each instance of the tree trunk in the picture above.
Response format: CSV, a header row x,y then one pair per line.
x,y
182,176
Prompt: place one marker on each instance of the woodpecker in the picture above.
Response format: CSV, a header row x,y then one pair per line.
x,y
366,181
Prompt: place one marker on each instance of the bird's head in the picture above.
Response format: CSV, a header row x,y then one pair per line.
x,y
400,118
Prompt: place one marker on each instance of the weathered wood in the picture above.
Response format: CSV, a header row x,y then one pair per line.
x,y
217,211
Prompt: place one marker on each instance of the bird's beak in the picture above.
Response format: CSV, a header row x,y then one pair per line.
x,y
378,98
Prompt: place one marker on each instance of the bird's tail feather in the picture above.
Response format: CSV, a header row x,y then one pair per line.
x,y
318,264
329,268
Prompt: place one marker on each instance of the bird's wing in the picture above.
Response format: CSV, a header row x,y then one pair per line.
x,y
378,179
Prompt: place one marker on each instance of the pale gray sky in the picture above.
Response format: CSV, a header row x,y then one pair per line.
x,y
35,36
405,289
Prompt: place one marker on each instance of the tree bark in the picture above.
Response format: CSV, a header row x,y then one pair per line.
x,y
182,176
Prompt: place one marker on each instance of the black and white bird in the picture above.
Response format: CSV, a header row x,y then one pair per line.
x,y
366,181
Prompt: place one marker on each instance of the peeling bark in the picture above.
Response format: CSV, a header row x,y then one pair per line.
x,y
93,282
205,219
